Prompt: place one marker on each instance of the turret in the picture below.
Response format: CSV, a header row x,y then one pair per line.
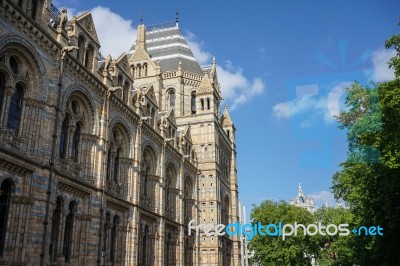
x,y
228,125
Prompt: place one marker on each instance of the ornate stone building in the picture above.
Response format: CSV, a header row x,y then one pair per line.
x,y
104,161
303,201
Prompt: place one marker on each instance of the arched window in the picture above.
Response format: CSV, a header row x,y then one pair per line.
x,y
55,228
146,182
109,161
116,165
81,50
171,99
168,250
188,259
2,88
202,104
33,8
193,102
226,210
144,70
145,243
167,196
89,57
75,142
153,116
208,103
187,207
15,110
126,91
139,71
113,243
133,71
105,233
148,166
120,80
68,232
64,138
5,196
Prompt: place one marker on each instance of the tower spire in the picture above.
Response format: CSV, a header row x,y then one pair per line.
x,y
177,17
141,37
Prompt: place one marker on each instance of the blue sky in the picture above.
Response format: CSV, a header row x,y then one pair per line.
x,y
283,66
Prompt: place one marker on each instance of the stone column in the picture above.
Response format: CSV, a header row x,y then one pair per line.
x,y
135,236
159,246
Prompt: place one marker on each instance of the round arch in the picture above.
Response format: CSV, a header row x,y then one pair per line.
x,y
32,57
82,95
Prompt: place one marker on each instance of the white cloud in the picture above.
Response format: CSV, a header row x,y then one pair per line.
x,y
203,57
235,87
311,100
323,197
381,71
299,105
115,33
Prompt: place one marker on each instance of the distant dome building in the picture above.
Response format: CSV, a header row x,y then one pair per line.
x,y
303,201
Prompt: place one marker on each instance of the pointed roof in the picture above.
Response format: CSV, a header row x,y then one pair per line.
x,y
150,94
213,71
86,21
140,53
300,191
205,86
166,44
171,115
226,120
141,37
187,134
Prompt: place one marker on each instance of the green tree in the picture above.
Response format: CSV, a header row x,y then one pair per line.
x,y
299,249
270,250
370,177
336,249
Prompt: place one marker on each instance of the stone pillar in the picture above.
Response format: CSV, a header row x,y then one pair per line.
x,y
159,247
135,236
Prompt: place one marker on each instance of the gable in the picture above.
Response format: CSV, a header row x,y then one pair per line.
x,y
86,23
150,94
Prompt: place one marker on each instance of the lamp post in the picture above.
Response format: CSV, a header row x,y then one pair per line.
x,y
64,51
110,91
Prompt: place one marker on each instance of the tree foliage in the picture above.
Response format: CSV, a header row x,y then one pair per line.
x,y
298,250
370,177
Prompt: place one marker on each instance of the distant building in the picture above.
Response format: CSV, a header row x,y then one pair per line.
x,y
303,201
